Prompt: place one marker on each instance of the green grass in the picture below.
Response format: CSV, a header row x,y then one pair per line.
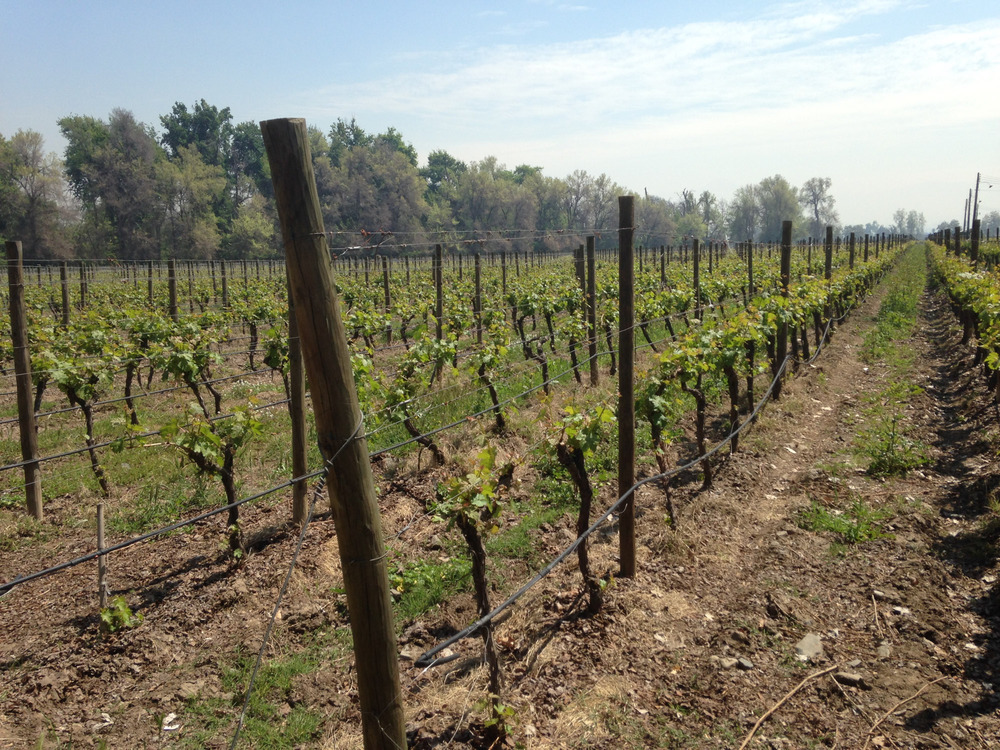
x,y
420,585
859,523
886,442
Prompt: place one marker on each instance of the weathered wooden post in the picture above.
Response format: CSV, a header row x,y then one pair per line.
x,y
297,413
477,300
781,336
438,292
592,311
340,432
64,283
388,299
22,377
696,273
172,289
626,390
974,243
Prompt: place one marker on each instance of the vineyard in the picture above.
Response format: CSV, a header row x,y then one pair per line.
x,y
169,401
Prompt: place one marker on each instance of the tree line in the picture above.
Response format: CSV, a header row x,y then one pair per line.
x,y
199,187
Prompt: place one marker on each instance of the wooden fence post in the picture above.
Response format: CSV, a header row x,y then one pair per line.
x,y
439,291
696,272
592,311
974,246
22,376
341,433
172,289
626,391
388,300
477,301
64,283
297,413
102,561
83,284
781,336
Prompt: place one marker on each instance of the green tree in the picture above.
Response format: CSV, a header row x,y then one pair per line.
x,y
252,233
205,127
190,188
248,172
744,214
112,169
816,199
35,197
779,202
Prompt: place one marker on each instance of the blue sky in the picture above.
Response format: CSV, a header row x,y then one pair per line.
x,y
895,100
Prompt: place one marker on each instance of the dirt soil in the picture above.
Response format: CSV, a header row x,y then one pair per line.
x,y
688,654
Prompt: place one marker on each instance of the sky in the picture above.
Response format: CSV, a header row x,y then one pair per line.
x,y
897,101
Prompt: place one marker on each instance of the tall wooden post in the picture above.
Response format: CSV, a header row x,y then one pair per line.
x,y
439,291
172,289
477,300
828,270
974,240
850,257
626,393
341,435
781,336
388,300
22,376
297,413
64,283
696,255
592,311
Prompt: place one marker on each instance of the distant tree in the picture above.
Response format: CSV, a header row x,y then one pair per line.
x,y
779,202
899,221
247,170
9,195
441,172
915,222
392,139
654,218
990,221
711,211
345,136
206,127
252,234
36,199
687,203
744,214
85,137
189,188
816,199
112,169
690,226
